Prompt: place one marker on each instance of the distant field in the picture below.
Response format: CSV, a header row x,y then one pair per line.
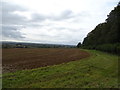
x,y
25,58
100,70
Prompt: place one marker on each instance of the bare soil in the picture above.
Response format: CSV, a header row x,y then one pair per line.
x,y
25,58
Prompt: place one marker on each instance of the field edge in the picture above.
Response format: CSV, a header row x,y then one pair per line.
x,y
93,73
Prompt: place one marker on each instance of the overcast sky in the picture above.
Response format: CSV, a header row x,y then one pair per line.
x,y
52,21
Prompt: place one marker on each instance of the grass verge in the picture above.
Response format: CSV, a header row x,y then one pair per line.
x,y
100,70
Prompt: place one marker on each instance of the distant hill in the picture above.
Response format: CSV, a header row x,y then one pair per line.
x,y
33,45
105,36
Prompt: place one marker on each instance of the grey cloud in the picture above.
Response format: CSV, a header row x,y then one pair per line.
x,y
11,32
11,23
8,15
9,7
38,17
13,19
68,28
67,14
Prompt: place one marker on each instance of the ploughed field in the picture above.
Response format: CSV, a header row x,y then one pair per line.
x,y
28,58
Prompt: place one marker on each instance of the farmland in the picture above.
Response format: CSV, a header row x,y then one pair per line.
x,y
99,70
40,58
20,59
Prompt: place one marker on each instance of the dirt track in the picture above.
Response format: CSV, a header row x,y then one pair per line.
x,y
20,59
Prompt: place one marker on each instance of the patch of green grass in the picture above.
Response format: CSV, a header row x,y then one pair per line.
x,y
100,70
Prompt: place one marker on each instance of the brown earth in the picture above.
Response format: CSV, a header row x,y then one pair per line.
x,y
26,58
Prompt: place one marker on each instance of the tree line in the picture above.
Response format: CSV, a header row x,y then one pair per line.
x,y
105,36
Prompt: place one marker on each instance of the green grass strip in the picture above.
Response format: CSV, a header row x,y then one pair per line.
x,y
100,70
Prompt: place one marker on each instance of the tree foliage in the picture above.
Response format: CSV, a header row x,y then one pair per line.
x,y
79,45
105,36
